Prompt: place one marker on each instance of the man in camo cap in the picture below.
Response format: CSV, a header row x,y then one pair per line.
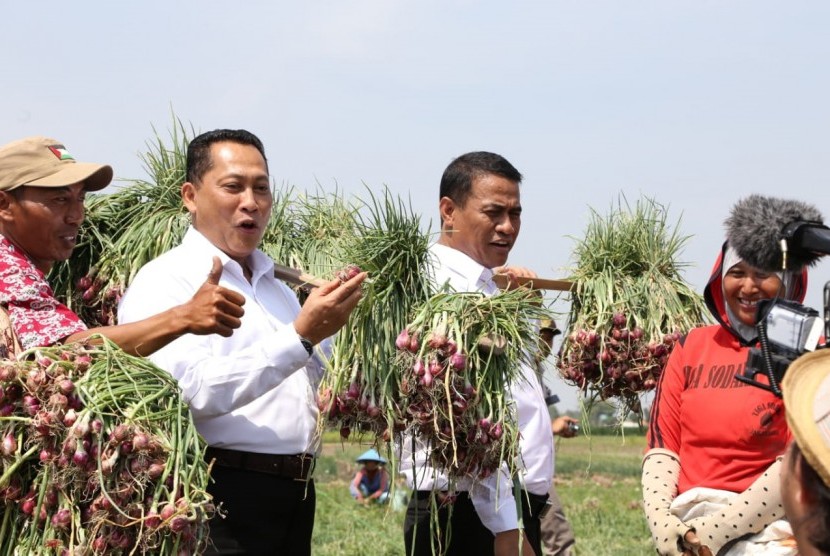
x,y
42,192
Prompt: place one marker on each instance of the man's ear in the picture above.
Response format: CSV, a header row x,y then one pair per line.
x,y
189,197
446,208
6,202
804,495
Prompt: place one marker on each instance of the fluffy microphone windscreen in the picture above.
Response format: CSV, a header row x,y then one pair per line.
x,y
754,227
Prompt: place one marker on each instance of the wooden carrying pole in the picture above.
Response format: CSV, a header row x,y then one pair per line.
x,y
294,276
502,281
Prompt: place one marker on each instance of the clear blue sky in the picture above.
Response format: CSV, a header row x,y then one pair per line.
x,y
694,103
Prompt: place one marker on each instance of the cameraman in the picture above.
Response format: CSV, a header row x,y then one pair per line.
x,y
710,475
805,472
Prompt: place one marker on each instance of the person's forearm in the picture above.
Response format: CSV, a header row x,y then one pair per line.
x,y
661,470
506,543
140,338
748,512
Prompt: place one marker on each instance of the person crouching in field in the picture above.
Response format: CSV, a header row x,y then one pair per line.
x,y
371,482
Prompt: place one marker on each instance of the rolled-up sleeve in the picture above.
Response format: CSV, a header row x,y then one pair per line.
x,y
494,502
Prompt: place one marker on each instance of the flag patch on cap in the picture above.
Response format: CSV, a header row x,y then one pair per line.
x,y
61,152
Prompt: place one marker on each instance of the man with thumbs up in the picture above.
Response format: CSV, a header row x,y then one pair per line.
x,y
42,190
253,394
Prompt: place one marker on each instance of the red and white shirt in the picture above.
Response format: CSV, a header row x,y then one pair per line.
x,y
38,318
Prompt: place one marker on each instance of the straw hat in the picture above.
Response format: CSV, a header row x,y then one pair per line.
x,y
806,391
370,455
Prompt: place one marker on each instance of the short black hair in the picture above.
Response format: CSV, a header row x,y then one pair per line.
x,y
458,178
199,161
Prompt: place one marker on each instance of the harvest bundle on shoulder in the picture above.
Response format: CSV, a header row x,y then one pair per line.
x,y
455,361
416,361
629,304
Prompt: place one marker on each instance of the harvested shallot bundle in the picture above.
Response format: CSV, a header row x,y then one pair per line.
x,y
629,304
99,456
456,360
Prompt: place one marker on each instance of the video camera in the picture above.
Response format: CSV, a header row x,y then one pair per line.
x,y
787,330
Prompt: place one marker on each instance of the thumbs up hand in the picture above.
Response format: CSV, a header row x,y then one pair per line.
x,y
214,309
215,273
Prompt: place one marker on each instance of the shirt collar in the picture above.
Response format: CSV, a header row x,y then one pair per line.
x,y
7,245
260,263
463,264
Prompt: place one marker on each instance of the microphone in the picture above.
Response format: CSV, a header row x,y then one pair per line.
x,y
774,234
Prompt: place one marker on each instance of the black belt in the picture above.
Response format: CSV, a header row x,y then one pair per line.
x,y
295,466
443,497
422,494
536,503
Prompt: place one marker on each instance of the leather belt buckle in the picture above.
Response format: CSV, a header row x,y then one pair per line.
x,y
296,467
304,464
442,497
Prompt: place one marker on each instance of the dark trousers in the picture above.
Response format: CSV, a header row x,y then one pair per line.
x,y
533,507
461,533
265,514
557,534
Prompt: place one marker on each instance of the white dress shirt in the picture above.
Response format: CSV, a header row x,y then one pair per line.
x,y
254,391
492,497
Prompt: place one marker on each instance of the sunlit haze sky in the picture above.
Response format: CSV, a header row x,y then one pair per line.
x,y
695,104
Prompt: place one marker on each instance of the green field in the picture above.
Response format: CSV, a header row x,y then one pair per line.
x,y
598,480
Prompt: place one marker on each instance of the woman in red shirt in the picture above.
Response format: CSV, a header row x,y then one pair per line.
x,y
710,475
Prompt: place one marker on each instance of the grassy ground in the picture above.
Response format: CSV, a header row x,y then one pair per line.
x,y
597,479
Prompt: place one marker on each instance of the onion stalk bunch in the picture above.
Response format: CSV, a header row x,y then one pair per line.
x,y
282,239
124,230
325,224
630,304
360,392
102,456
456,361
